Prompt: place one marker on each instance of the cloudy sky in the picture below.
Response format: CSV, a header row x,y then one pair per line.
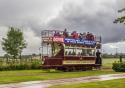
x,y
95,16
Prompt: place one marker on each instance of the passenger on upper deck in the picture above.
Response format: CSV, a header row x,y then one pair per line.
x,y
84,35
74,34
57,34
65,33
80,36
89,36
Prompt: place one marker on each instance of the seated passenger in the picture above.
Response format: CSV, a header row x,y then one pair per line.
x,y
57,34
84,36
88,36
74,34
92,37
81,36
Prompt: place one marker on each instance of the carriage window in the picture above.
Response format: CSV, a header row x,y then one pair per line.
x,y
85,52
66,51
70,51
93,52
47,50
90,52
78,51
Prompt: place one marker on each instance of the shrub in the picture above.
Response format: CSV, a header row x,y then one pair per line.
x,y
23,65
119,66
35,65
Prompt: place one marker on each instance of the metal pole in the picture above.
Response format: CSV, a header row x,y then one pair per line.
x,y
116,52
40,52
42,45
120,58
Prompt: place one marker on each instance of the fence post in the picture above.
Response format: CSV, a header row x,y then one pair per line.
x,y
120,58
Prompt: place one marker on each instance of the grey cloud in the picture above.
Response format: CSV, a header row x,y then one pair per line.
x,y
16,12
84,15
95,16
29,15
97,20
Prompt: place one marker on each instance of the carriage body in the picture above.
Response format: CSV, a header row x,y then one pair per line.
x,y
68,53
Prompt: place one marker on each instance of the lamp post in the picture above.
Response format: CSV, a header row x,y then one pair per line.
x,y
120,55
116,52
40,51
20,52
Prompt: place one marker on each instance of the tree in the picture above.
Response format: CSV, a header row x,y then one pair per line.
x,y
14,43
120,19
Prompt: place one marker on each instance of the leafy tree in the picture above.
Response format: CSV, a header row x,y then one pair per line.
x,y
14,43
120,19
6,56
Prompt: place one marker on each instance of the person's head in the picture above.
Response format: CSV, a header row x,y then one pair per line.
x,y
65,30
97,50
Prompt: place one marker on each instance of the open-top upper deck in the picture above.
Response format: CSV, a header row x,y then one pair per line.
x,y
70,38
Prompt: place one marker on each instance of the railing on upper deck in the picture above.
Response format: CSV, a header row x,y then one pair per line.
x,y
48,35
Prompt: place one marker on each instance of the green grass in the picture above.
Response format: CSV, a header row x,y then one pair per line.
x,y
119,83
31,75
107,62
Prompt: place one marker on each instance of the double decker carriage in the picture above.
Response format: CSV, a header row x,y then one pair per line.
x,y
67,52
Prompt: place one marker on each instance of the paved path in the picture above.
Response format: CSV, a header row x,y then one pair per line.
x,y
45,84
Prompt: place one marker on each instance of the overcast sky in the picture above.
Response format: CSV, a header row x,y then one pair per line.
x,y
95,16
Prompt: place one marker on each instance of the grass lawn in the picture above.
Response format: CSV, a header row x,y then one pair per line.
x,y
31,75
107,62
119,83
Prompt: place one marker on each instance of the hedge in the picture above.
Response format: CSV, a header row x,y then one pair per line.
x,y
119,66
20,66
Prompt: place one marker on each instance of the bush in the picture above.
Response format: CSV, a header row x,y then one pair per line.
x,y
119,66
23,65
35,65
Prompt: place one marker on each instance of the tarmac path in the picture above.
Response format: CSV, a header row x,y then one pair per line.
x,y
48,83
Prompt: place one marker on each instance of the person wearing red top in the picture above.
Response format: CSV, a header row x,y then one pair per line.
x,y
92,37
75,35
